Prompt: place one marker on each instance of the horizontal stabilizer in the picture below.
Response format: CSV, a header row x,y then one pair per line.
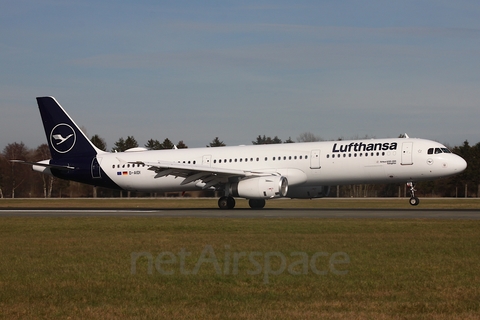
x,y
44,164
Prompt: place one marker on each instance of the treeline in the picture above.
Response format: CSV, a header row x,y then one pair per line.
x,y
19,181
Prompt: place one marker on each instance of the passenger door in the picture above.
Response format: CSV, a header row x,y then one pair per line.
x,y
407,148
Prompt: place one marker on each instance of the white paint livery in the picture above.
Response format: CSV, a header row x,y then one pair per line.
x,y
259,172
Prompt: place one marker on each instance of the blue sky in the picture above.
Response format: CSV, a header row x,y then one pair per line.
x,y
194,70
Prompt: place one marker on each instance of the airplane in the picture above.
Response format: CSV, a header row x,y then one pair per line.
x,y
257,172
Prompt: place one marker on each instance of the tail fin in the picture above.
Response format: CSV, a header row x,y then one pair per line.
x,y
64,137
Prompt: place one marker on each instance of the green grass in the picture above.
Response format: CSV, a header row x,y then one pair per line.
x,y
81,268
179,203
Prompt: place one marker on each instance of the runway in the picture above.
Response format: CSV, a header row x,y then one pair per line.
x,y
249,213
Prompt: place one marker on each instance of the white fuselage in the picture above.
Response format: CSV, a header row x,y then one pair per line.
x,y
305,165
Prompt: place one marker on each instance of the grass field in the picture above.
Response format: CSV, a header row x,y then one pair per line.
x,y
98,267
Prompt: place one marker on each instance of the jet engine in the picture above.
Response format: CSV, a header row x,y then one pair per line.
x,y
309,192
260,187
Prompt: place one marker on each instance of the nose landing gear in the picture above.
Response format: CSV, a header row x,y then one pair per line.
x,y
414,201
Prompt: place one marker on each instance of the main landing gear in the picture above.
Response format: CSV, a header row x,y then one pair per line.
x,y
228,202
414,201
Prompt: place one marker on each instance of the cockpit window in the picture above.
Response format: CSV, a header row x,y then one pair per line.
x,y
438,150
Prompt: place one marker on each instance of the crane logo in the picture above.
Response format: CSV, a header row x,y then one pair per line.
x,y
62,138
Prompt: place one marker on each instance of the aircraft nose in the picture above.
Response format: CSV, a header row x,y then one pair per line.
x,y
459,164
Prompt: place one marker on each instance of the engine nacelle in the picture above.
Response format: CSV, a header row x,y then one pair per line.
x,y
260,187
309,192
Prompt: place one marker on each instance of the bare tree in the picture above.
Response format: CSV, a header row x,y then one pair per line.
x,y
16,151
41,153
308,137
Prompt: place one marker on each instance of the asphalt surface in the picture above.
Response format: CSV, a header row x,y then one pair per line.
x,y
249,213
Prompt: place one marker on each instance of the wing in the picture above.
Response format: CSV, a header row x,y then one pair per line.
x,y
209,176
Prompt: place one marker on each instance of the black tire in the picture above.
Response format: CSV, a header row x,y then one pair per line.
x,y
226,203
223,203
256,203
231,202
414,201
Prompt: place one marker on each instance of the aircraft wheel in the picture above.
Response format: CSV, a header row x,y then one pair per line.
x,y
256,203
226,202
414,201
